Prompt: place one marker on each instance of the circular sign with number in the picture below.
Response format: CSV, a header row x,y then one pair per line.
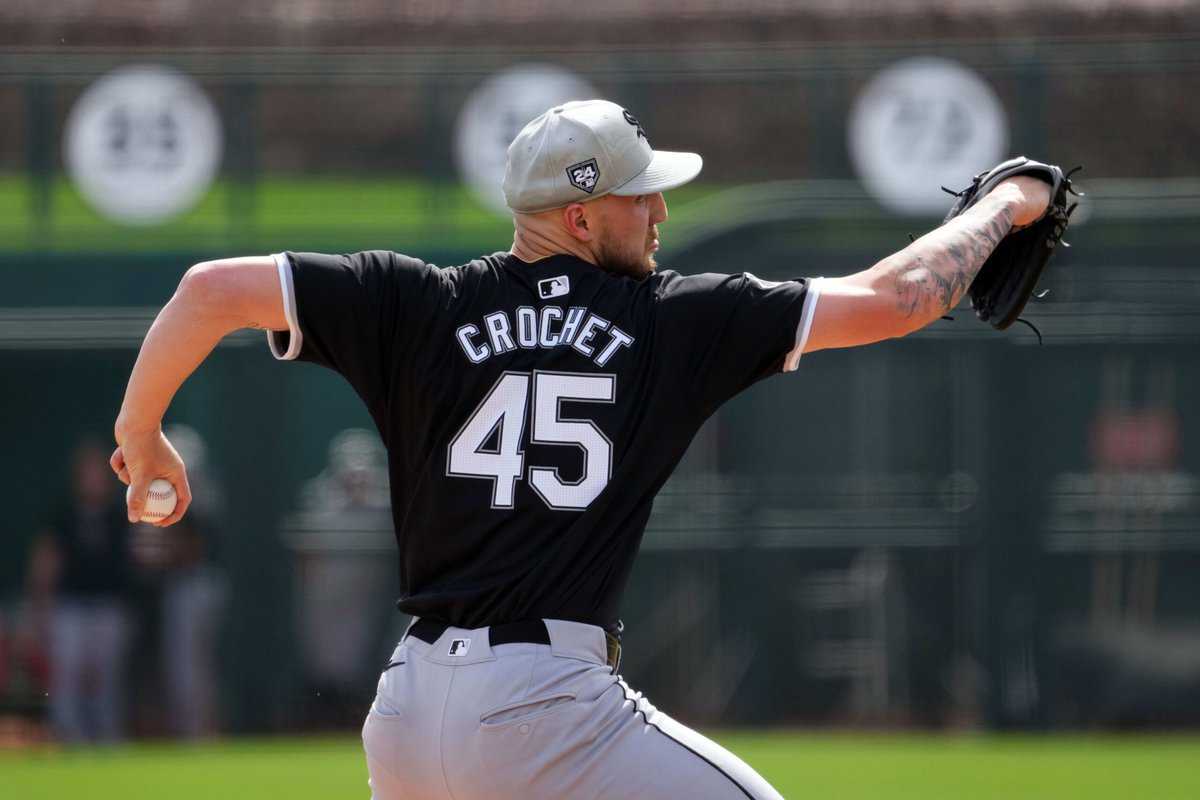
x,y
921,124
142,144
495,113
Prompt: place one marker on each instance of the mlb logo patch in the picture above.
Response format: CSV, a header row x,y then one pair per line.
x,y
584,175
459,647
554,287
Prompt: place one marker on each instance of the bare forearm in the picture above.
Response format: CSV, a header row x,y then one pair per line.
x,y
930,276
184,333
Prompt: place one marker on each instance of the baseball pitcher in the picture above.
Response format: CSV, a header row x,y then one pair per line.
x,y
532,403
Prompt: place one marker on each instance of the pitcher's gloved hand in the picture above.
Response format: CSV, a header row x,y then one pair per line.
x,y
1008,278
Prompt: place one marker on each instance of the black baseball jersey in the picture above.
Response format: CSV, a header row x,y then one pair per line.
x,y
531,411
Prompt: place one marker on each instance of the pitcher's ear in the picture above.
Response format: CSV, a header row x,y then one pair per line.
x,y
577,220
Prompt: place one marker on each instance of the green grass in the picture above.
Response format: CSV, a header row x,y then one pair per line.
x,y
801,765
277,212
356,212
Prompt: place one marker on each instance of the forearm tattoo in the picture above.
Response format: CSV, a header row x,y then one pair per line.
x,y
932,274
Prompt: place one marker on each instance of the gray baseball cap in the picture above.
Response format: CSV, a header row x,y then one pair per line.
x,y
586,149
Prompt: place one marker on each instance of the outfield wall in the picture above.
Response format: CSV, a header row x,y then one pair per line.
x,y
959,528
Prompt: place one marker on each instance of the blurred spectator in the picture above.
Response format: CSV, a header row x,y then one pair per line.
x,y
193,598
355,478
25,626
188,593
342,584
89,538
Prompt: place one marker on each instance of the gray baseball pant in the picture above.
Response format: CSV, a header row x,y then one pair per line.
x,y
460,720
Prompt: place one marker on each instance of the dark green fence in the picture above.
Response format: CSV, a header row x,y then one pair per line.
x,y
960,527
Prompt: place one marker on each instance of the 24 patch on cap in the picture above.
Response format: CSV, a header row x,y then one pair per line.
x,y
584,175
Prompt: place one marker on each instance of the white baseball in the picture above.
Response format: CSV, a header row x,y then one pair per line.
x,y
160,500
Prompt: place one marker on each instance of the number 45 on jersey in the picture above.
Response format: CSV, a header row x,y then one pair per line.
x,y
501,416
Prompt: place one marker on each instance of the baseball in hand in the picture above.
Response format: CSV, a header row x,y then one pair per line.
x,y
160,500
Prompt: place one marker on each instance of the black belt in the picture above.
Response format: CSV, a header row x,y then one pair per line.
x,y
530,631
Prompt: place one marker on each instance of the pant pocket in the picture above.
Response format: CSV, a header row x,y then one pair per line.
x,y
390,692
526,710
518,742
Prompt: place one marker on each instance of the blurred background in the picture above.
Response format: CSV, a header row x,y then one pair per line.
x,y
960,530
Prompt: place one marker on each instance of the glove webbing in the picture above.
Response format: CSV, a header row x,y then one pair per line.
x,y
1070,210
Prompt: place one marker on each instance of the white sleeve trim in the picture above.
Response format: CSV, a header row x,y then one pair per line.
x,y
806,317
294,339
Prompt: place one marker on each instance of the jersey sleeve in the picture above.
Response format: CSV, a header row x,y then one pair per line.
x,y
726,332
354,314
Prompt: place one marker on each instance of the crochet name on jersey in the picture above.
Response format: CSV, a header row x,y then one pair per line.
x,y
529,328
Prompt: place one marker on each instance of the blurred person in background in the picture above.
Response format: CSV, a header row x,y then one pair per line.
x,y
339,590
25,631
194,601
89,543
188,593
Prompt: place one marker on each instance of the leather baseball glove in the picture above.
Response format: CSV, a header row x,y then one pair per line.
x,y
1008,278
